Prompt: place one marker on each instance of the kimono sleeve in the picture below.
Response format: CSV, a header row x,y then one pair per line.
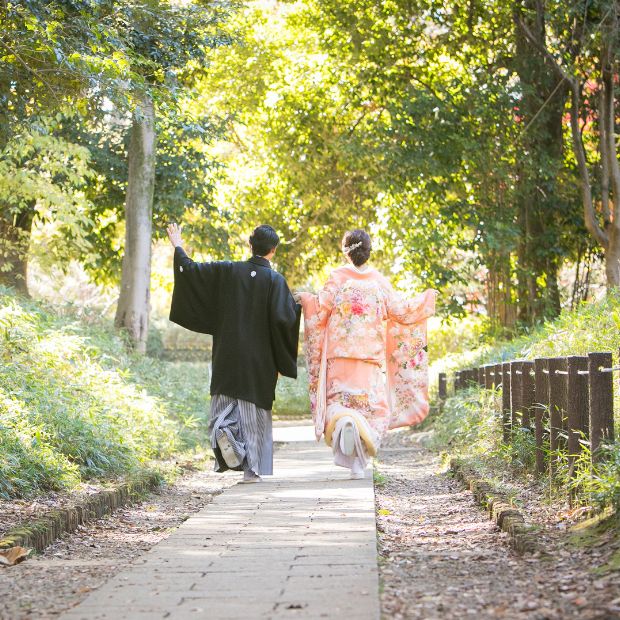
x,y
317,309
194,297
407,360
284,319
410,311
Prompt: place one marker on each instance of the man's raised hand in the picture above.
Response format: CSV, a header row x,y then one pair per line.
x,y
174,234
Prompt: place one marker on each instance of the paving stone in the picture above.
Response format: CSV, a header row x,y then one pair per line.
x,y
299,545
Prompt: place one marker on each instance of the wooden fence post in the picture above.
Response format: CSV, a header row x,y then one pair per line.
x,y
541,412
515,392
527,394
557,402
469,378
577,406
488,376
480,373
601,402
506,402
497,375
443,386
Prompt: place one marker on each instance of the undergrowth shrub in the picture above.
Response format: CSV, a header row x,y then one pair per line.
x,y
469,425
75,404
468,420
595,485
292,397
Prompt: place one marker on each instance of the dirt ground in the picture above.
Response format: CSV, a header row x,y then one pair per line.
x,y
441,557
47,584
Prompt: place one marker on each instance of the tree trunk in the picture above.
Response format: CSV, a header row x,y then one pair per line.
x,y
501,308
132,312
609,76
541,107
612,261
14,243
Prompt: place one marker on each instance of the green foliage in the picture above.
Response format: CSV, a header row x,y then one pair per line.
x,y
596,486
592,326
292,396
603,484
47,175
76,405
72,74
185,177
397,116
469,423
183,389
453,337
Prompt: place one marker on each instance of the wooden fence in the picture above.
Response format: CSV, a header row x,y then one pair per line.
x,y
564,401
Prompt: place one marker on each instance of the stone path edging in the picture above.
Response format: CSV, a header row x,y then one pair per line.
x,y
523,537
43,531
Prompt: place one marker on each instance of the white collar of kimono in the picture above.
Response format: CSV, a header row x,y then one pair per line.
x,y
362,269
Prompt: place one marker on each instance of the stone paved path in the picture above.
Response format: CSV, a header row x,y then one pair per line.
x,y
299,545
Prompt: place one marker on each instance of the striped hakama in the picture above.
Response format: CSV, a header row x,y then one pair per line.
x,y
249,432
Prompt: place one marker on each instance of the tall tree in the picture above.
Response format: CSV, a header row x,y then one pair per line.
x,y
166,39
133,303
593,64
541,110
50,55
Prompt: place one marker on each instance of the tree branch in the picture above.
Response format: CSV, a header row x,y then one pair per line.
x,y
555,64
589,214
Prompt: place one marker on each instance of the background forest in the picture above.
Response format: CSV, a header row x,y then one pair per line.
x,y
446,129
476,141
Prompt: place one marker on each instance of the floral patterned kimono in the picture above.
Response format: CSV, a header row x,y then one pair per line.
x,y
366,358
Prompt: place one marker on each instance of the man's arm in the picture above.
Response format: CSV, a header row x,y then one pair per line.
x,y
181,260
194,297
284,317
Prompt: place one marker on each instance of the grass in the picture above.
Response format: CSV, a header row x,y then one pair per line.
x,y
292,398
76,405
469,425
379,478
591,327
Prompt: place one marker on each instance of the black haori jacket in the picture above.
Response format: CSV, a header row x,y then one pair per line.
x,y
254,320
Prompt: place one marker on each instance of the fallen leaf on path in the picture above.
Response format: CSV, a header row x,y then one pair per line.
x,y
14,555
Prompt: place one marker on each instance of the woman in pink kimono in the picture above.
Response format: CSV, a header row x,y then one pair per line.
x,y
366,360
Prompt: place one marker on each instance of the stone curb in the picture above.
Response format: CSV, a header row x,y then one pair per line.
x,y
523,537
45,530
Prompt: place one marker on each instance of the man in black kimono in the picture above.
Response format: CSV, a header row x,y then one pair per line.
x,y
254,320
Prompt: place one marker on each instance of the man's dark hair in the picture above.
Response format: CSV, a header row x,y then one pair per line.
x,y
357,244
263,240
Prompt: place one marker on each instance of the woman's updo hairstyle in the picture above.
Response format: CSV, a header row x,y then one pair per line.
x,y
357,246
